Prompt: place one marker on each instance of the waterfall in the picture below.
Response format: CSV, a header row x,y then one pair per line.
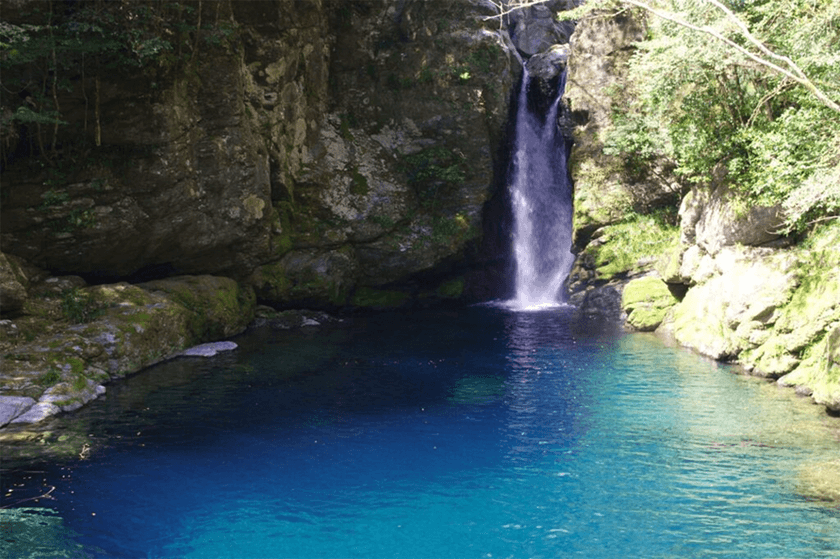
x,y
541,196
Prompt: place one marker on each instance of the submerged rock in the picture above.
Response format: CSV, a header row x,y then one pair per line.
x,y
208,349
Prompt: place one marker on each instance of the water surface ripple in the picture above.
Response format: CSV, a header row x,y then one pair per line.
x,y
476,433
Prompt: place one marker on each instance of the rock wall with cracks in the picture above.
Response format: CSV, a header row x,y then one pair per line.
x,y
325,154
322,148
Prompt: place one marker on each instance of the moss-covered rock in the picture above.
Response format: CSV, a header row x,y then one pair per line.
x,y
308,278
776,311
219,306
741,298
13,286
451,289
621,251
646,301
819,372
60,354
597,90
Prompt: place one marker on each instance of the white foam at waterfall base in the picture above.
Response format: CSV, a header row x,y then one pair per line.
x,y
541,196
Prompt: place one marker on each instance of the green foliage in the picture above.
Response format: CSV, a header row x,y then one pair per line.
x,y
53,197
358,183
50,378
620,248
80,382
715,112
448,231
383,221
432,168
77,366
80,307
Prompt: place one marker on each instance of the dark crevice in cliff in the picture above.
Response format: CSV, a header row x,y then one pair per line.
x,y
496,262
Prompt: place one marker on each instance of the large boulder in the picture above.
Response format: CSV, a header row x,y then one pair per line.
x,y
646,302
737,302
549,64
535,29
715,220
819,373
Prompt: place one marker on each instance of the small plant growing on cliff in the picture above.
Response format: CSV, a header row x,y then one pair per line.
x,y
80,307
431,168
49,378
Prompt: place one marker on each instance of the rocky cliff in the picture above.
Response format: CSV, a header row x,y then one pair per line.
x,y
716,275
317,150
345,155
196,158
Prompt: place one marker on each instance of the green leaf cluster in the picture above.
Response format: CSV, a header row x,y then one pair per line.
x,y
720,117
80,307
431,169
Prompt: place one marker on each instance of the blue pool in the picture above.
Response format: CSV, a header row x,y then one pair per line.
x,y
474,433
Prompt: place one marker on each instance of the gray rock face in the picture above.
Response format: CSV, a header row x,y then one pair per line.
x,y
602,302
720,224
549,64
13,406
341,129
36,413
183,180
535,30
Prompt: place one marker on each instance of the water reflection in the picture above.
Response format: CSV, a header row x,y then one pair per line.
x,y
449,435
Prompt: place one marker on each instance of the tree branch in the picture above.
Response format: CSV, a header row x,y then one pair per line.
x,y
794,74
766,57
515,5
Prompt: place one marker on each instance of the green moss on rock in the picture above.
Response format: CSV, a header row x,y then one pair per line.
x,y
370,297
646,301
63,364
452,289
219,307
628,247
820,371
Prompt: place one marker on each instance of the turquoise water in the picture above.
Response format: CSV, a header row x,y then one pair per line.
x,y
474,433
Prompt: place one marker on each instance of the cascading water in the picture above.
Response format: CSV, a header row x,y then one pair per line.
x,y
541,196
